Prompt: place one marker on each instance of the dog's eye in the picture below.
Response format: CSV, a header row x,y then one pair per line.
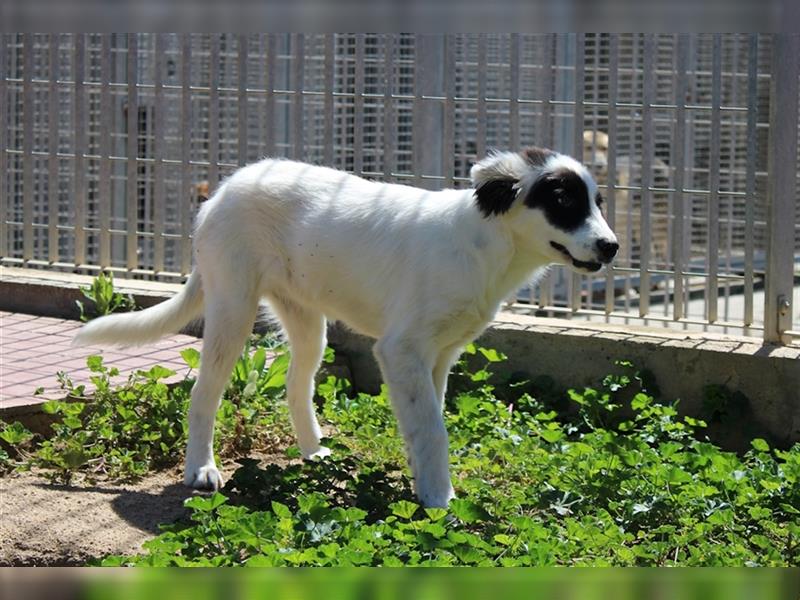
x,y
564,201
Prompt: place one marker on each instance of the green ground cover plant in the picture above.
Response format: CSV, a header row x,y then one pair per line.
x,y
103,298
595,476
129,426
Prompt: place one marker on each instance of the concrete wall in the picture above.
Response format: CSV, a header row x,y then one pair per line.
x,y
577,354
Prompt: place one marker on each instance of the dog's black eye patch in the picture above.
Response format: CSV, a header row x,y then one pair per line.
x,y
563,197
496,196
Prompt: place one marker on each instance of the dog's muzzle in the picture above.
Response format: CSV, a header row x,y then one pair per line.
x,y
591,266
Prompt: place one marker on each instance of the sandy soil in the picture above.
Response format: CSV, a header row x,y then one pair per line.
x,y
56,525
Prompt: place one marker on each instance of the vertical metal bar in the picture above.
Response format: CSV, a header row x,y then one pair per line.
x,y
633,83
750,179
388,107
269,108
546,125
80,148
358,107
132,172
647,171
577,138
611,158
28,107
513,102
678,228
712,283
3,145
4,249
213,111
546,128
429,81
52,159
732,142
330,57
480,142
782,185
104,176
299,70
389,127
242,100
187,193
448,121
417,119
159,213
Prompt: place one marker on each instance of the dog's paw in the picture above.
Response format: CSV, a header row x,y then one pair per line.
x,y
318,454
206,478
435,496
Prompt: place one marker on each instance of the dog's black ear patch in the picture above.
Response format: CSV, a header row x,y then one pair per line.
x,y
496,196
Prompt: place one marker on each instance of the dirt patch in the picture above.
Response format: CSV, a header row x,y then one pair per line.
x,y
46,524
43,524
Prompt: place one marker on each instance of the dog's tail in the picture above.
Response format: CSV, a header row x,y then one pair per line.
x,y
141,327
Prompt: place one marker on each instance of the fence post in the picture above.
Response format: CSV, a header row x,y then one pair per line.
x,y
428,123
781,189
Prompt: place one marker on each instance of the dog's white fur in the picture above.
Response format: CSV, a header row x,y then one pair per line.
x,y
422,272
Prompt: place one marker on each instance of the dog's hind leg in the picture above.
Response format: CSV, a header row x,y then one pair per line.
x,y
306,331
230,313
407,368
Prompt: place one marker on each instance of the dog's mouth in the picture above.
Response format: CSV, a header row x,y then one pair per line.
x,y
579,264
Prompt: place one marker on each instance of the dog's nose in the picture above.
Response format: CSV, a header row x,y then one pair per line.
x,y
607,250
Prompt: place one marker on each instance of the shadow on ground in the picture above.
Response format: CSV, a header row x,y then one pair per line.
x,y
45,524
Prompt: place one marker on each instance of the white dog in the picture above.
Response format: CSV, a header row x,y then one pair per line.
x,y
422,272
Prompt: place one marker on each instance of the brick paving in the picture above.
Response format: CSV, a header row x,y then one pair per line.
x,y
33,349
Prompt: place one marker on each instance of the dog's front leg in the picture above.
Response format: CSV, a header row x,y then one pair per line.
x,y
407,371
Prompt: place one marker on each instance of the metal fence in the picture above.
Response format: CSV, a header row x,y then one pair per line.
x,y
108,143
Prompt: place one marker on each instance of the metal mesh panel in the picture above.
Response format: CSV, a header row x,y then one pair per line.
x,y
111,141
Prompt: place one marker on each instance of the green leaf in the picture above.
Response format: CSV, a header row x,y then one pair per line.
x,y
641,401
199,503
435,514
329,356
760,445
792,510
467,511
217,500
677,476
492,355
551,435
15,433
95,363
281,510
258,360
263,560
72,422
74,458
158,372
52,407
191,356
276,374
404,509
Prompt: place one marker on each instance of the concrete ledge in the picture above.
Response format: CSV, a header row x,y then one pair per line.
x,y
53,294
578,354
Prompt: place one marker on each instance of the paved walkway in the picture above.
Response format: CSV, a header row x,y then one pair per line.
x,y
33,349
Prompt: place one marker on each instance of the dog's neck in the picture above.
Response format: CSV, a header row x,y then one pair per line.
x,y
509,262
